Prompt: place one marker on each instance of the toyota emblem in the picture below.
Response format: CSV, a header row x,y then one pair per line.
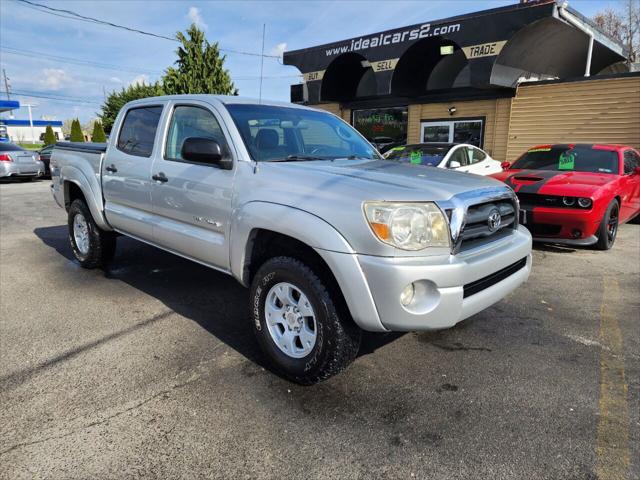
x,y
494,220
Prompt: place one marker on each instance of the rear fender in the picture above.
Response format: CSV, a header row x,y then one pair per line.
x,y
91,190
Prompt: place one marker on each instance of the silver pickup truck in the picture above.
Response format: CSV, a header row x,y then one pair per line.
x,y
295,204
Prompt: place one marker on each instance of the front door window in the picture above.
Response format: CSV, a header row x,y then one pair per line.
x,y
454,131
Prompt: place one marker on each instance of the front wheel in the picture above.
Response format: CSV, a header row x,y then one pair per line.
x,y
608,227
92,246
298,324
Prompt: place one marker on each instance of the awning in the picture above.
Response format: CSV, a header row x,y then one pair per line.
x,y
491,49
7,105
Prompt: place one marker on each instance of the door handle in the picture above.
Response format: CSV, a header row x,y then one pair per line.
x,y
111,168
160,177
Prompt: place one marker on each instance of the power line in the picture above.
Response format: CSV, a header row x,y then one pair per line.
x,y
57,99
73,61
76,16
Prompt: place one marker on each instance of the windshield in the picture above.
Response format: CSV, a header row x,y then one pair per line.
x,y
579,158
430,155
294,134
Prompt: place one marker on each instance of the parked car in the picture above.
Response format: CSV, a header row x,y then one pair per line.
x,y
462,157
17,162
576,194
297,205
45,157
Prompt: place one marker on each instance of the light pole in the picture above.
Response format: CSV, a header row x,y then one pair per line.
x,y
29,106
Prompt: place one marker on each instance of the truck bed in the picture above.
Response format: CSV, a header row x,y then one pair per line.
x,y
91,147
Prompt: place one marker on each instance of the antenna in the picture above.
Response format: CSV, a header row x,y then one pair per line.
x,y
261,64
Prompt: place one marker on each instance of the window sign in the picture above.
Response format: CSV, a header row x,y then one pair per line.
x,y
383,127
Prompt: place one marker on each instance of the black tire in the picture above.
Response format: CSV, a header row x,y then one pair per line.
x,y
608,229
101,244
337,337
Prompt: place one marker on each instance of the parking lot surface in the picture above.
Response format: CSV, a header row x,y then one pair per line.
x,y
149,370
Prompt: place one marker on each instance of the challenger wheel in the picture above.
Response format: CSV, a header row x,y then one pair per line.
x,y
92,246
297,322
609,227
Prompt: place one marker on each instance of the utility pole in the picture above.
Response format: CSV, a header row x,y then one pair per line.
x,y
261,64
6,83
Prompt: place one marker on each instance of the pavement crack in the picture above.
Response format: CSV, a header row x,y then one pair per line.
x,y
192,379
454,347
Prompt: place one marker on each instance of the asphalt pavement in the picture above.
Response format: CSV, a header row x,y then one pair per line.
x,y
149,370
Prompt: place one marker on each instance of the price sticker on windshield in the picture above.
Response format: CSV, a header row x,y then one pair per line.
x,y
415,157
567,161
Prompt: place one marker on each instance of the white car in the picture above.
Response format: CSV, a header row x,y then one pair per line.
x,y
454,156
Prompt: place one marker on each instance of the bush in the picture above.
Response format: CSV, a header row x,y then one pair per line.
x,y
98,133
49,136
76,132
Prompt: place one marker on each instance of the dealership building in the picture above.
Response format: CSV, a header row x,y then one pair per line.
x,y
503,79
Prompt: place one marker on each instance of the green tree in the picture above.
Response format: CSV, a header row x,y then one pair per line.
x,y
49,136
98,133
116,100
76,132
199,68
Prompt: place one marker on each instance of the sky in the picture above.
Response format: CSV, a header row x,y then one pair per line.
x,y
32,42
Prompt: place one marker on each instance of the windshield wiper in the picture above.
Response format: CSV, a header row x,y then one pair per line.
x,y
297,158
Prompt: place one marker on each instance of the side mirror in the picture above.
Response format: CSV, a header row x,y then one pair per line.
x,y
454,164
505,165
205,150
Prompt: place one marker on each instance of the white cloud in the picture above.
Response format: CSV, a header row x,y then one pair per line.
x,y
115,80
279,49
195,17
140,79
55,78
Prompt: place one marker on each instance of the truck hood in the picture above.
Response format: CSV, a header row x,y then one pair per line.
x,y
380,179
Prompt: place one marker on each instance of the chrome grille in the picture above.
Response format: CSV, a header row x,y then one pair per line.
x,y
477,230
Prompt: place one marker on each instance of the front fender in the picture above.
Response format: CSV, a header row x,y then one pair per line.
x,y
91,190
283,219
313,231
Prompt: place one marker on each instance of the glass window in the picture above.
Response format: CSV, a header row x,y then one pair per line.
x,y
459,155
383,127
631,161
468,132
138,131
191,121
276,133
10,147
579,158
435,133
476,155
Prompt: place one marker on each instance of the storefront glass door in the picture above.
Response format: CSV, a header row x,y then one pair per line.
x,y
455,131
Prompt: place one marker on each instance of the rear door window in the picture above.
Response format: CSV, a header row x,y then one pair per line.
x,y
138,131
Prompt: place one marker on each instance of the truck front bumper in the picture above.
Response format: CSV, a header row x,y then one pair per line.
x,y
447,289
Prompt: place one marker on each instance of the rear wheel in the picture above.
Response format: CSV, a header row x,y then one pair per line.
x,y
298,324
92,246
608,227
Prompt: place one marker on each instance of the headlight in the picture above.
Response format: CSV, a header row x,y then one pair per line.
x,y
408,226
584,202
568,201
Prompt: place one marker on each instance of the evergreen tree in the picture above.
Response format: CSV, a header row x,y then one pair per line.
x,y
116,100
76,132
49,136
199,68
98,133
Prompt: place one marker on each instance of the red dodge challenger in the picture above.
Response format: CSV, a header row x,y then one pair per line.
x,y
576,194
